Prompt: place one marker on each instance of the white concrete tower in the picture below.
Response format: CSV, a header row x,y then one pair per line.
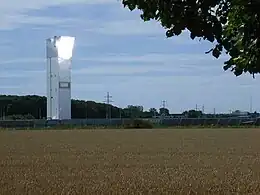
x,y
59,55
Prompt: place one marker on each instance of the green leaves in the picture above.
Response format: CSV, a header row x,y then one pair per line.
x,y
169,33
216,53
192,35
234,25
227,66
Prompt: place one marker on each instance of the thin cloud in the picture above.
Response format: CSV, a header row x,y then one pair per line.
x,y
11,10
184,58
129,27
22,60
20,74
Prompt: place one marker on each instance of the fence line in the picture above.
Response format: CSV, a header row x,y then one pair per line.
x,y
41,123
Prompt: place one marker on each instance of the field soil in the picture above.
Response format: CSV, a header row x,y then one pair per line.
x,y
187,161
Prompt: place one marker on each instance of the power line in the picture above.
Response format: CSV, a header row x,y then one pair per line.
x,y
163,105
108,100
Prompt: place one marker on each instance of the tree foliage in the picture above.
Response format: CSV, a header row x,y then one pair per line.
x,y
193,113
164,111
34,107
233,26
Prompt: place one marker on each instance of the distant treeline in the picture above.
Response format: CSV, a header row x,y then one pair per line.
x,y
34,107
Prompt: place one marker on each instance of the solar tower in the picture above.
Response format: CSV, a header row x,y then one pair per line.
x,y
59,57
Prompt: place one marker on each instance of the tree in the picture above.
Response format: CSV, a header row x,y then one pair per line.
x,y
32,106
164,111
153,111
193,113
232,25
134,111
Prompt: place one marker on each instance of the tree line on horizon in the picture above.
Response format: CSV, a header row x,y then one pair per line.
x,y
34,107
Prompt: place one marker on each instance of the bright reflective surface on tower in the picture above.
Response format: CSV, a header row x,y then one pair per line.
x,y
65,47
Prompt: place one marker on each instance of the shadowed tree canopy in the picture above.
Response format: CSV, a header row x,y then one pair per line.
x,y
34,107
231,25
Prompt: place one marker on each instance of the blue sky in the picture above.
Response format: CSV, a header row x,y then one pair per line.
x,y
116,52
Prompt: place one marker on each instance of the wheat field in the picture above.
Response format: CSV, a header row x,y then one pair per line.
x,y
187,161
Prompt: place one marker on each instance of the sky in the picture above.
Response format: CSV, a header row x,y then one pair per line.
x,y
116,52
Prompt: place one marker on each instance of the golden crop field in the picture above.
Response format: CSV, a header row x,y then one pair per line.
x,y
187,161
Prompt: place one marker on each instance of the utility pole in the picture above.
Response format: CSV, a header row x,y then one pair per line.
x,y
196,108
163,105
108,101
203,108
